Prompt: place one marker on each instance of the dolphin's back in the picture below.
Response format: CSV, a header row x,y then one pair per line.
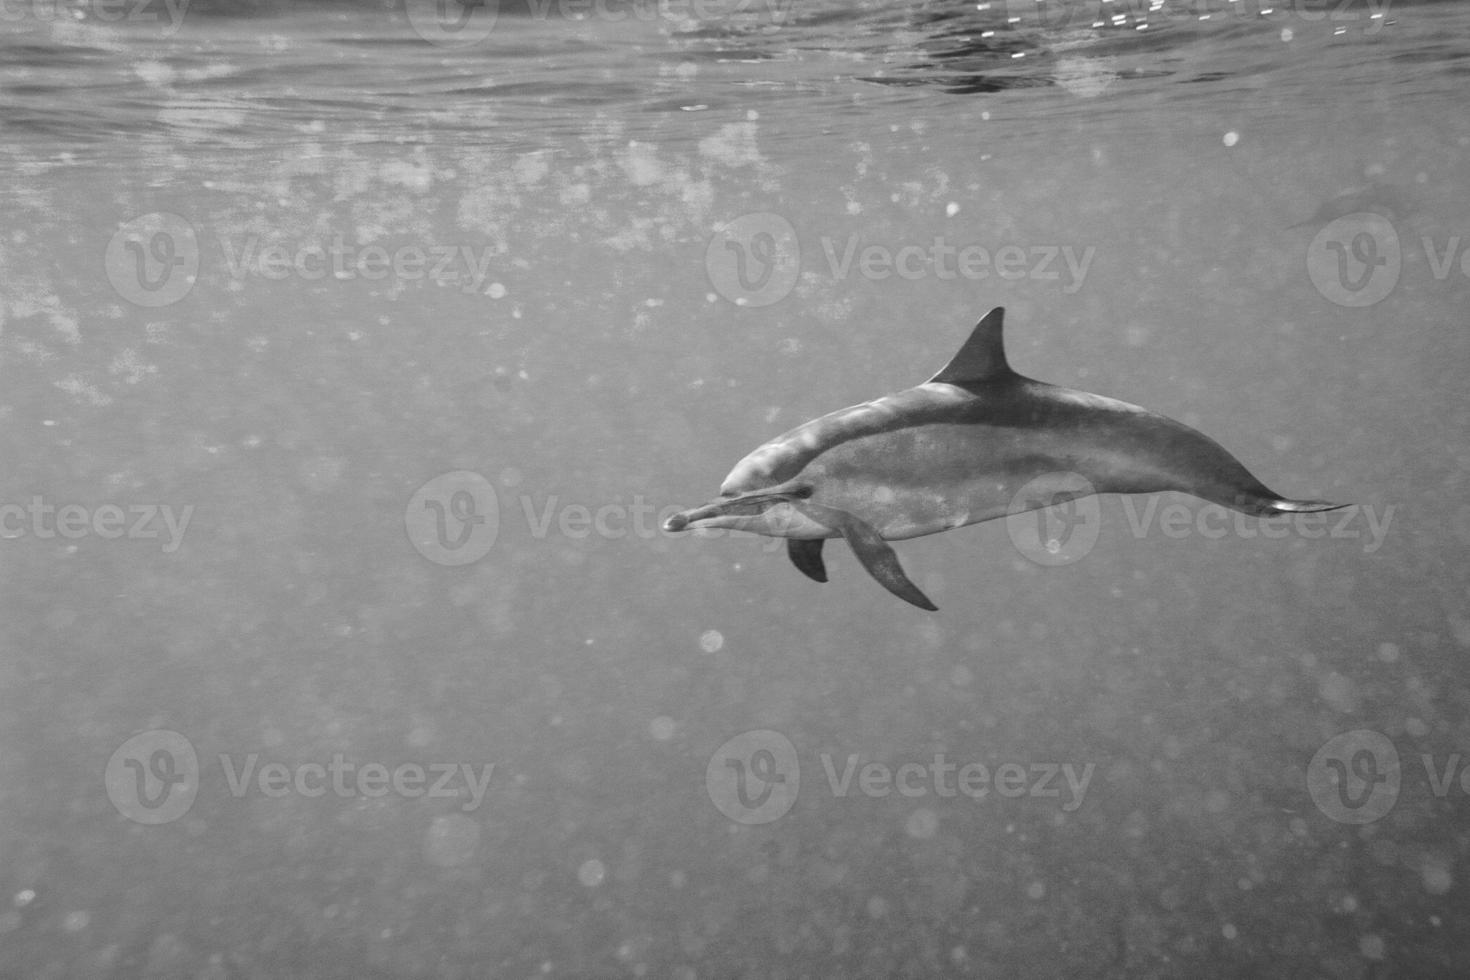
x,y
1134,450
785,456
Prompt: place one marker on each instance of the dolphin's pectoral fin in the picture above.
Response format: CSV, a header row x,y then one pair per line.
x,y
806,555
875,554
881,562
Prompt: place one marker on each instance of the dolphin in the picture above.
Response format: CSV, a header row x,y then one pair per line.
x,y
957,450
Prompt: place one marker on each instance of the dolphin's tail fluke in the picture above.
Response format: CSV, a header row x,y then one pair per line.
x,y
1271,506
1197,464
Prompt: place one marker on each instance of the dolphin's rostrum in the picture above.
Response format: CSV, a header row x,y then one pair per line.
x,y
956,450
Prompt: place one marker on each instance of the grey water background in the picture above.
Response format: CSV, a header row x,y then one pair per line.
x,y
337,606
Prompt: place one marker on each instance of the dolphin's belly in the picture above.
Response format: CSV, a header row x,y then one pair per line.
x,y
933,478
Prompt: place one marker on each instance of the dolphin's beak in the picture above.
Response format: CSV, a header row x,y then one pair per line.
x,y
750,511
682,520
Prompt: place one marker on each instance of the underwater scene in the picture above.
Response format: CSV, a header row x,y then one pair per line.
x,y
404,573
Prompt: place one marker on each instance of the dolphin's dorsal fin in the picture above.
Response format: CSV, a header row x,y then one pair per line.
x,y
983,358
